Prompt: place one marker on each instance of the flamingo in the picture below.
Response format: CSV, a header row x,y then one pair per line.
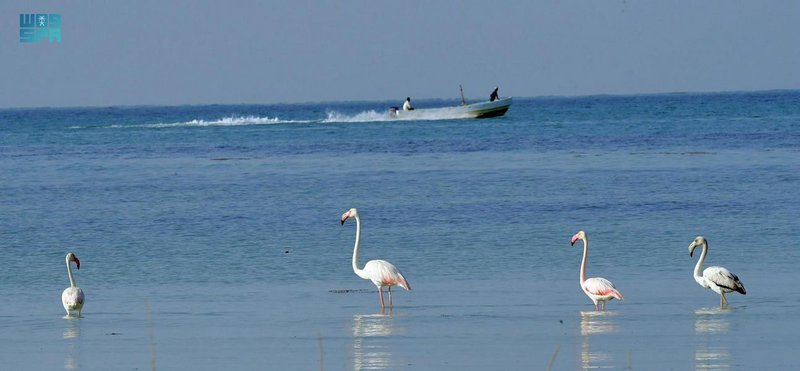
x,y
717,279
72,297
596,288
380,272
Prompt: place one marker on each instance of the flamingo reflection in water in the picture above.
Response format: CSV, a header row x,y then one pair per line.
x,y
596,323
371,334
72,335
711,325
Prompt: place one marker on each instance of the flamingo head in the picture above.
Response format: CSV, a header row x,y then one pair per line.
x,y
352,213
581,235
72,258
698,241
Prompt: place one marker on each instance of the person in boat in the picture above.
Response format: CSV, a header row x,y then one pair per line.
x,y
493,97
407,104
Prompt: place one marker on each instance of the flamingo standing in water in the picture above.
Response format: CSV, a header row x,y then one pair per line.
x,y
718,279
72,297
596,288
380,272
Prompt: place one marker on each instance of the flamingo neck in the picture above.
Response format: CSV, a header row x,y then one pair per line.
x,y
69,273
358,271
698,269
583,261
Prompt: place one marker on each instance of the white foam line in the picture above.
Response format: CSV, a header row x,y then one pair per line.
x,y
365,116
374,116
226,121
332,117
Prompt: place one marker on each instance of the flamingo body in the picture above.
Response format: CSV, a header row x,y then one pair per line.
x,y
380,272
717,279
383,273
721,280
598,289
72,297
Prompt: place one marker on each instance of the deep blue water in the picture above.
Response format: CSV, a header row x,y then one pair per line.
x,y
222,224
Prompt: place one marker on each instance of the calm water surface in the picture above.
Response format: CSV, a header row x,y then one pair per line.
x,y
209,236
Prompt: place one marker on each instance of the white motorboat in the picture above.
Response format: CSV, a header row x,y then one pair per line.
x,y
473,110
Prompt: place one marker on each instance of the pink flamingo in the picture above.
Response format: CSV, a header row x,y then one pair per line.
x,y
380,272
596,288
72,298
718,279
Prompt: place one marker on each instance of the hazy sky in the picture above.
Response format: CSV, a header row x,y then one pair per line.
x,y
202,51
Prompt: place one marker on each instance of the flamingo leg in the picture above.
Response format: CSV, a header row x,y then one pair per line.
x,y
604,306
723,301
380,292
595,307
390,297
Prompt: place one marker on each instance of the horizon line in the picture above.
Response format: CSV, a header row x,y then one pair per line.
x,y
554,96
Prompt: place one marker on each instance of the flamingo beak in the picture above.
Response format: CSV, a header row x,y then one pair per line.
x,y
691,249
572,241
77,263
344,217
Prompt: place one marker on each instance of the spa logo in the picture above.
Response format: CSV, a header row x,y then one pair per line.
x,y
34,28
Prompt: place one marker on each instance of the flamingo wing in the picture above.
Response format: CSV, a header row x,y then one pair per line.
x,y
724,279
601,287
383,273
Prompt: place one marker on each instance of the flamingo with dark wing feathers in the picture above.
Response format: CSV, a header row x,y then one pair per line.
x,y
717,279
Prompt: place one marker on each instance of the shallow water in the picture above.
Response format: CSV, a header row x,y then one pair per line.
x,y
209,236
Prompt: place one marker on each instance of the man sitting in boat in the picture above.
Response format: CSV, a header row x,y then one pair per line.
x,y
493,97
407,104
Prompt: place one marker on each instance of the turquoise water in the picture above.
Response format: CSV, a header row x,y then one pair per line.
x,y
209,236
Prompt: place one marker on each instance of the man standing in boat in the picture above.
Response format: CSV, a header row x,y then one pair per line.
x,y
493,97
407,104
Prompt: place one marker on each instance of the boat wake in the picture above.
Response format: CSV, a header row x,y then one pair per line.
x,y
225,121
365,116
331,117
374,116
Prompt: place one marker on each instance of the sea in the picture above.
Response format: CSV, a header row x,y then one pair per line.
x,y
210,238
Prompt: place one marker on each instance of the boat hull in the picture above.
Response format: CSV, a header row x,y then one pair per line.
x,y
474,110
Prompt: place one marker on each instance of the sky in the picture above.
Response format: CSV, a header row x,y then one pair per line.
x,y
148,52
